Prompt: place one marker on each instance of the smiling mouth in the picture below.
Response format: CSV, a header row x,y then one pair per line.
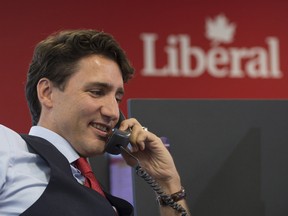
x,y
101,127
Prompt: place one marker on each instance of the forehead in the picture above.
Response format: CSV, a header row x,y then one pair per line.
x,y
96,68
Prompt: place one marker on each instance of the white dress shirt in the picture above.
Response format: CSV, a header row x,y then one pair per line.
x,y
24,175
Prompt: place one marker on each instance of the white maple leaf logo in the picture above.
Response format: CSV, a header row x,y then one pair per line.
x,y
219,30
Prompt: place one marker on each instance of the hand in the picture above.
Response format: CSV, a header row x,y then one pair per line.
x,y
152,154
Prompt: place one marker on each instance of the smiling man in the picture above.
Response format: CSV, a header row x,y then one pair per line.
x,y
87,108
74,86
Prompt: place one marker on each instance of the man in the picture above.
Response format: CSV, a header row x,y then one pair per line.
x,y
74,86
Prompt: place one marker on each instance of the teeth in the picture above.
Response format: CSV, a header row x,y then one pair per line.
x,y
100,127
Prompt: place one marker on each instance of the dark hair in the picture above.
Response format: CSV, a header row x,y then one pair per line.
x,y
56,58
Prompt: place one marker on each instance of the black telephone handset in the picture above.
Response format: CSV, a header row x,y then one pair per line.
x,y
117,138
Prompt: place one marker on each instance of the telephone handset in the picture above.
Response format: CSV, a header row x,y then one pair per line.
x,y
117,142
117,138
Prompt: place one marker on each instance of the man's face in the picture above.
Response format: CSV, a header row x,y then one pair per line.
x,y
89,105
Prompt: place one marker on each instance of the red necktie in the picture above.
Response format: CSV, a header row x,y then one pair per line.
x,y
90,180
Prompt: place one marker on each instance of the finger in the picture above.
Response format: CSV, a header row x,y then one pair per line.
x,y
129,124
139,136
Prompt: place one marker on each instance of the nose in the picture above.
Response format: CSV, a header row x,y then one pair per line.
x,y
110,110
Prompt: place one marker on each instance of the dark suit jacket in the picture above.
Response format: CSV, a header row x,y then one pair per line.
x,y
64,196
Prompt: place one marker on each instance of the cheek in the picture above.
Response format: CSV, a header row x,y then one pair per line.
x,y
76,107
86,107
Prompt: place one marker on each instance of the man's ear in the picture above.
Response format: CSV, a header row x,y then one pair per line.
x,y
44,91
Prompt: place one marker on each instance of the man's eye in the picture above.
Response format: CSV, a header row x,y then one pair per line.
x,y
97,92
119,99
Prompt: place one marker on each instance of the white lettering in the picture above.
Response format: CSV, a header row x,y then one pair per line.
x,y
172,55
149,55
256,66
220,62
217,60
273,47
236,62
186,53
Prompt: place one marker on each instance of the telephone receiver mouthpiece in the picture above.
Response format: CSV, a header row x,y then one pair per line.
x,y
116,139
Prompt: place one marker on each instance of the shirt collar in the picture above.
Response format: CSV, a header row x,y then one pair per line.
x,y
59,142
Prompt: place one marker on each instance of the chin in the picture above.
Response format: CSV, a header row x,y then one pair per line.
x,y
99,150
92,148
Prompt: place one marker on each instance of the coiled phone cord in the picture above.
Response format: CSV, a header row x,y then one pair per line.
x,y
155,186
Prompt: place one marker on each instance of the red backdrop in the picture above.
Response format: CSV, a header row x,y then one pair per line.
x,y
180,49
